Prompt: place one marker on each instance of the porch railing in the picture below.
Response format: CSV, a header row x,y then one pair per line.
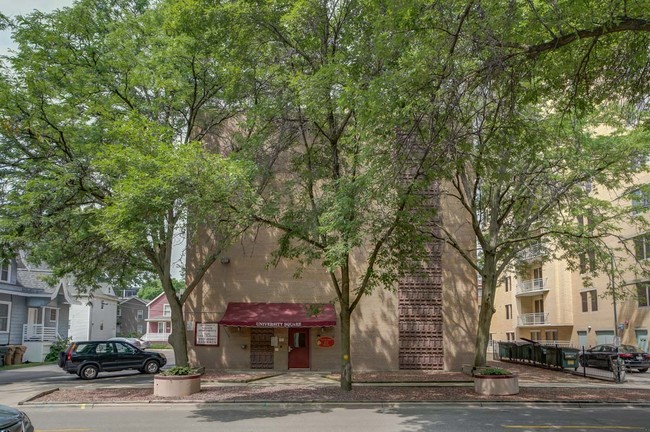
x,y
532,286
156,337
39,333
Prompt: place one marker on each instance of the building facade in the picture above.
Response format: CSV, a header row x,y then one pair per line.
x,y
247,314
132,313
548,302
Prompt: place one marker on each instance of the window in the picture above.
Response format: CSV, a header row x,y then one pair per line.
x,y
140,329
5,271
641,199
536,335
642,247
5,311
642,294
101,325
119,311
139,314
124,348
589,298
509,311
54,314
508,282
161,327
510,336
167,310
550,335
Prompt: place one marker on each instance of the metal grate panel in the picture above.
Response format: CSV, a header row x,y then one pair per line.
x,y
261,349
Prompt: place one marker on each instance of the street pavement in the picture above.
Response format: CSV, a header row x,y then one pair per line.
x,y
414,417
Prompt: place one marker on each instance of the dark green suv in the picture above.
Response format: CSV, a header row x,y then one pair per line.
x,y
87,359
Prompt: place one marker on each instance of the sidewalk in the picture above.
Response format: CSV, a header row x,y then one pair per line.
x,y
536,386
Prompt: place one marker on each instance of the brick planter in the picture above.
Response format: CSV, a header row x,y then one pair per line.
x,y
496,385
176,385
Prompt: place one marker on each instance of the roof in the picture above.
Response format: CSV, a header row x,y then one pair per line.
x,y
126,300
276,315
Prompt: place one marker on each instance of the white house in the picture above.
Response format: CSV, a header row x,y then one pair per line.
x,y
94,316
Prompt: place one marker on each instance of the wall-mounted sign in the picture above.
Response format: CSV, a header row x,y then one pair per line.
x,y
325,342
206,334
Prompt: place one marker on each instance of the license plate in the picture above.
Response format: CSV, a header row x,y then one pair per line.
x,y
570,362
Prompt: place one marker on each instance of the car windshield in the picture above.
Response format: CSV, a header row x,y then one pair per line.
x,y
628,349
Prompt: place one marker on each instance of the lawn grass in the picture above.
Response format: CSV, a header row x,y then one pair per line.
x,y
160,346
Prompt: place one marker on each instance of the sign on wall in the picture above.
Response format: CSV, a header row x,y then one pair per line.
x,y
206,334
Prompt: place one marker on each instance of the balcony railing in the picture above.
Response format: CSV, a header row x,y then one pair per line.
x,y
531,252
39,333
532,286
533,319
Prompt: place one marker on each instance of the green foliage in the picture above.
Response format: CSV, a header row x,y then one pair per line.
x,y
152,288
56,347
181,370
492,371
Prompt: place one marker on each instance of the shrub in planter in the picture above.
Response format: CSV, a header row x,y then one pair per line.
x,y
177,381
494,381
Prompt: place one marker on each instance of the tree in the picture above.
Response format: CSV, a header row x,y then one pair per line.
x,y
104,110
152,288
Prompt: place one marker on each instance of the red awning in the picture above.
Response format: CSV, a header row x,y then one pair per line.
x,y
276,315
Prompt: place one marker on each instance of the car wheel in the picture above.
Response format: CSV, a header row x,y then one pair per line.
x,y
89,372
643,370
151,367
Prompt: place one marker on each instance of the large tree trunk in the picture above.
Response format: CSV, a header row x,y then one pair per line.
x,y
346,366
178,336
486,310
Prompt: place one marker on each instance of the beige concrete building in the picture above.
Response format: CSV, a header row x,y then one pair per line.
x,y
547,302
247,314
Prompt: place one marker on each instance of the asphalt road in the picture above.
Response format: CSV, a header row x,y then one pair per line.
x,y
321,418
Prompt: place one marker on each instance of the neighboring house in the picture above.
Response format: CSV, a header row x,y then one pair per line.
x,y
132,313
248,314
32,312
159,320
92,316
547,302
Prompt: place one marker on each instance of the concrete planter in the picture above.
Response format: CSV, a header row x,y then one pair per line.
x,y
176,385
496,385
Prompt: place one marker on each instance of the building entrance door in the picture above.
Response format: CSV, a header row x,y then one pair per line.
x,y
642,339
261,349
298,348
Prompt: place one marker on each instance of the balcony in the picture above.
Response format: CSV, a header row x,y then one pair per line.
x,y
39,333
532,252
531,287
533,319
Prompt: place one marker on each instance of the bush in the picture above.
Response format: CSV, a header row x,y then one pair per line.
x,y
181,370
58,346
493,371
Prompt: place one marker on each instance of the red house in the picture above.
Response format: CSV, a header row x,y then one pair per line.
x,y
159,323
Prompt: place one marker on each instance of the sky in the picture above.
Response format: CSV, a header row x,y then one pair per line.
x,y
22,7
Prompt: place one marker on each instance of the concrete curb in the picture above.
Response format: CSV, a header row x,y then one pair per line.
x,y
38,395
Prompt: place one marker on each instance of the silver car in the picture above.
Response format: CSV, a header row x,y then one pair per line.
x,y
138,343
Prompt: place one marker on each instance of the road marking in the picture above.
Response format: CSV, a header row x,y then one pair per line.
x,y
575,427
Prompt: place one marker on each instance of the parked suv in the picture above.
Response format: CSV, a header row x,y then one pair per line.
x,y
87,359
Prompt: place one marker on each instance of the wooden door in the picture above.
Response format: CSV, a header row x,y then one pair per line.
x,y
261,349
298,348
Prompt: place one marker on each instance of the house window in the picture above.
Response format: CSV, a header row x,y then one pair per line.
x,y
139,329
119,311
5,311
139,314
101,326
5,271
510,336
643,294
642,247
536,335
508,282
161,327
509,311
585,298
167,310
54,314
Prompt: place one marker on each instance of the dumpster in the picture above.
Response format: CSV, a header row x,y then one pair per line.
x,y
18,354
562,357
539,354
524,351
506,350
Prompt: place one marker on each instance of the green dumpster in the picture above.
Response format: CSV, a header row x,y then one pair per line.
x,y
524,351
506,350
539,354
562,357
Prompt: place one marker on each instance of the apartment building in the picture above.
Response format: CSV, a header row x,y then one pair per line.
x,y
547,302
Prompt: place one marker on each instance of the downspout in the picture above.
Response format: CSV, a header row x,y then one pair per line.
x,y
90,323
